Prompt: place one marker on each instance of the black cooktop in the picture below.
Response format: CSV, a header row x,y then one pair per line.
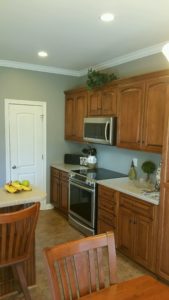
x,y
99,173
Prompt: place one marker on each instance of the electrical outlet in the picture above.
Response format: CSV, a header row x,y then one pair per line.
x,y
135,161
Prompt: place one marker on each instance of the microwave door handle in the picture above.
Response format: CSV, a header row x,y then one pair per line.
x,y
106,128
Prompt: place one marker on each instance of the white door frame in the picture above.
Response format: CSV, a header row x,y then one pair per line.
x,y
8,102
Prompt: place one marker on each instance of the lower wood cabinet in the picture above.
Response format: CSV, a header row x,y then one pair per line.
x,y
107,210
138,230
59,190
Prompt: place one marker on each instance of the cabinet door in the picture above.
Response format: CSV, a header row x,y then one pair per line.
x,y
63,203
54,187
125,231
130,107
109,102
144,242
69,117
94,103
154,113
163,227
80,113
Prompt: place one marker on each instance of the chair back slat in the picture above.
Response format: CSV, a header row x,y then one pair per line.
x,y
82,267
3,241
100,268
72,277
11,241
82,270
64,278
17,234
92,263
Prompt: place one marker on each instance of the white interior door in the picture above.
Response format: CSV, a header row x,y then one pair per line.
x,y
26,143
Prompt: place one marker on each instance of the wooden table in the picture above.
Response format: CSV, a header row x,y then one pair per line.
x,y
10,203
141,288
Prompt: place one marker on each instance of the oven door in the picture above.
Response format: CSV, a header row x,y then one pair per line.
x,y
82,203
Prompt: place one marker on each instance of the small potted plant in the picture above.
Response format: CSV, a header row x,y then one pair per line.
x,y
148,167
97,79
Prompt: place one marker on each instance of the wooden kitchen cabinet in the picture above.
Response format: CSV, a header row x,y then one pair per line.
x,y
137,230
75,111
141,110
107,210
130,114
103,102
54,186
156,96
59,190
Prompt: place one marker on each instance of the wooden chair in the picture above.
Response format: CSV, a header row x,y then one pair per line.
x,y
78,268
16,236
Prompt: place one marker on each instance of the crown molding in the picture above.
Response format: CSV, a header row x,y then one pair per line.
x,y
127,58
102,66
38,68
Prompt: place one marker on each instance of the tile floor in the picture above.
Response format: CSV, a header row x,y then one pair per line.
x,y
53,229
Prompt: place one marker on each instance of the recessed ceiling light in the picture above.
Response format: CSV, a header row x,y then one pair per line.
x,y
165,51
42,54
107,17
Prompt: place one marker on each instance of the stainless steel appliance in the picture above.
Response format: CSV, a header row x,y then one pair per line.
x,y
83,197
100,130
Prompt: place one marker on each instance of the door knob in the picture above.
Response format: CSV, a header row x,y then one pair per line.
x,y
14,167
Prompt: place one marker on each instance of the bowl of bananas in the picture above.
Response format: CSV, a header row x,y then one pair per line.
x,y
17,186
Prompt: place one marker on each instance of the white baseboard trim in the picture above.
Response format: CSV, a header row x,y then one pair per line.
x,y
46,206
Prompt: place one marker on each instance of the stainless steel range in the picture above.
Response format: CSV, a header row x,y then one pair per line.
x,y
83,197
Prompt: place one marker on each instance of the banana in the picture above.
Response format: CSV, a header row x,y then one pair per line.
x,y
26,188
17,186
13,187
9,188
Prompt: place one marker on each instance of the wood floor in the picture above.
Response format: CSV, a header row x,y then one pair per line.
x,y
53,229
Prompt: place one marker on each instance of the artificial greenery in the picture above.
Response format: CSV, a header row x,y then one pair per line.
x,y
98,79
148,167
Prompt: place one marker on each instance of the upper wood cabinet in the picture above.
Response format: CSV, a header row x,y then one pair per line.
x,y
102,102
130,111
75,111
156,96
141,109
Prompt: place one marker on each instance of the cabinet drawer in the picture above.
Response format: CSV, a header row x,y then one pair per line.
x,y
55,172
107,217
108,205
141,207
64,176
126,201
105,192
144,209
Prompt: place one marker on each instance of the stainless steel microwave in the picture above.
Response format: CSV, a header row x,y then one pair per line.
x,y
100,130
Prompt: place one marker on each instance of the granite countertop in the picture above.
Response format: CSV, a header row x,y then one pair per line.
x,y
23,197
66,167
127,186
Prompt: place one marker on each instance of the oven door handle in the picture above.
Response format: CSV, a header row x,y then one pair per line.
x,y
82,187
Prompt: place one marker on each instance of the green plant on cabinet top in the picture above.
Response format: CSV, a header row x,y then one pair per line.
x,y
98,79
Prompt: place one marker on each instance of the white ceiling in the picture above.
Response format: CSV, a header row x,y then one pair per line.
x,y
75,38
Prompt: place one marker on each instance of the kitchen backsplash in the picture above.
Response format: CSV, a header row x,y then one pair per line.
x,y
119,160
